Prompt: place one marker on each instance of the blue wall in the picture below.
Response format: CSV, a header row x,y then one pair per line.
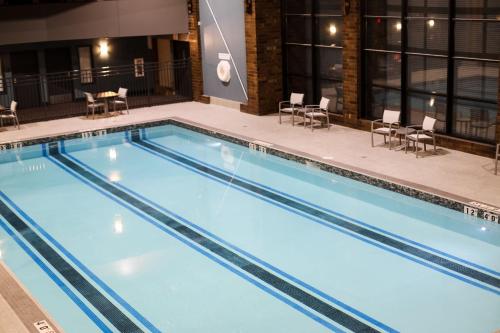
x,y
230,17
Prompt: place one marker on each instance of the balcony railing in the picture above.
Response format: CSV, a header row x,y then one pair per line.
x,y
60,95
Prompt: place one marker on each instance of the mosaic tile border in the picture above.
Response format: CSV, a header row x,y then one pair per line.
x,y
408,189
420,192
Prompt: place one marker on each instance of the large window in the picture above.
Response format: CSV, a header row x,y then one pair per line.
x,y
433,57
313,38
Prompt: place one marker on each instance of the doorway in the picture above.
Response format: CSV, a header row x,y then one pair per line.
x,y
26,79
59,82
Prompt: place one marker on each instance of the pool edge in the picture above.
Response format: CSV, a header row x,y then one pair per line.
x,y
410,189
22,303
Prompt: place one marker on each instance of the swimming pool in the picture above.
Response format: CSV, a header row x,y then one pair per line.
x,y
165,229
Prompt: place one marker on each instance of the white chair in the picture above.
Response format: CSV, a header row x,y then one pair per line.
x,y
424,134
121,99
293,105
386,126
10,114
497,157
319,112
92,104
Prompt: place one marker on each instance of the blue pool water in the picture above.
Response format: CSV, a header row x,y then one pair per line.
x,y
169,230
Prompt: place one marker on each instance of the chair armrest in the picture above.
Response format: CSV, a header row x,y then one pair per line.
x,y
284,102
312,106
415,126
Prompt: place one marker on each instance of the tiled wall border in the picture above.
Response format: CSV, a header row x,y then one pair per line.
x,y
413,190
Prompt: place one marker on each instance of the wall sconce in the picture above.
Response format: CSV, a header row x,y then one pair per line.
x,y
332,29
431,23
190,7
248,6
399,26
103,49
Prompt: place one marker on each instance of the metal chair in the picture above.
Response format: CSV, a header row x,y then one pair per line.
x,y
121,99
294,104
10,114
92,104
319,112
387,126
424,134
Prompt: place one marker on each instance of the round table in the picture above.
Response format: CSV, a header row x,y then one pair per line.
x,y
402,132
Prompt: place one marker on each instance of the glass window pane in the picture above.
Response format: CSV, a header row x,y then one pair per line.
x,y
298,29
428,74
478,8
299,60
383,7
330,31
329,62
331,7
333,91
298,6
383,34
476,79
421,105
475,120
429,8
428,36
380,99
477,39
384,69
302,85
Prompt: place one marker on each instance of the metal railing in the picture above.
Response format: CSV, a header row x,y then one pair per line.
x,y
59,95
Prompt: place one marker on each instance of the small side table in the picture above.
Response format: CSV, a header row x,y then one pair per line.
x,y
401,133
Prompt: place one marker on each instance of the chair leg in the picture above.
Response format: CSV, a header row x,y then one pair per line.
x,y
425,146
416,149
18,125
496,165
390,142
293,118
385,140
312,122
434,143
406,145
126,104
373,145
279,116
328,121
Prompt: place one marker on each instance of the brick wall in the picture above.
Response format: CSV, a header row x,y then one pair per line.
x,y
264,59
351,63
195,52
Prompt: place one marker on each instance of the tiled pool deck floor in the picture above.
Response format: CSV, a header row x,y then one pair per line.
x,y
464,175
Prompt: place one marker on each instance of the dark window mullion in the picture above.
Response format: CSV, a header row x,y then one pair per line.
x,y
314,53
404,62
451,67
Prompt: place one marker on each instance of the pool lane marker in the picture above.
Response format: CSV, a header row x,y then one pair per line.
x,y
259,261
257,275
333,220
60,283
335,213
147,324
117,318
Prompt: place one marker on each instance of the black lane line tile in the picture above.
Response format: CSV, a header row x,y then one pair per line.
x,y
294,292
409,249
84,287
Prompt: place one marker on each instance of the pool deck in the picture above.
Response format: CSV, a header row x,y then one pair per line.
x,y
452,172
463,175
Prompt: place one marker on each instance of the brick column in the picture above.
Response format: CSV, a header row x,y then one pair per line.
x,y
351,63
264,60
195,52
